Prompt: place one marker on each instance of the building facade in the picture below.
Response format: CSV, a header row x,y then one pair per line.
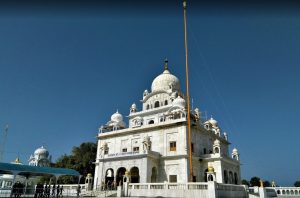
x,y
154,146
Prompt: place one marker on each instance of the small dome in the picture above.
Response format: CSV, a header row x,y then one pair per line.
x,y
174,94
213,122
234,150
133,106
165,81
211,169
179,101
89,175
216,142
41,151
116,117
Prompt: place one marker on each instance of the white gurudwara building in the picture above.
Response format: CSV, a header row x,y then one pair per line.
x,y
154,147
40,157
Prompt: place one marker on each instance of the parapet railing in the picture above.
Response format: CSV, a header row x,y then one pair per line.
x,y
230,187
177,186
290,191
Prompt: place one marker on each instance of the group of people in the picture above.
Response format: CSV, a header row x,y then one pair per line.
x,y
17,189
45,191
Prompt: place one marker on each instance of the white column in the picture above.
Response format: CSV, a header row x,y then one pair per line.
x,y
212,189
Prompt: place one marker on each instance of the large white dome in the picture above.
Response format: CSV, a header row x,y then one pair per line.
x,y
41,151
165,81
116,117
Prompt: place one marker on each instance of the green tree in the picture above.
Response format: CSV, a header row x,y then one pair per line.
x,y
297,184
245,182
267,183
81,159
255,181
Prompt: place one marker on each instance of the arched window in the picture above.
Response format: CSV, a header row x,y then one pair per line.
x,y
278,192
156,104
217,150
135,176
166,102
147,106
109,177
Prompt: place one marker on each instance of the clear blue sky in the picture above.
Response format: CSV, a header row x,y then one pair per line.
x,y
65,68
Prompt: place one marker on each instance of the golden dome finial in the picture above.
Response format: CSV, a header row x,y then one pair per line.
x,y
127,173
211,169
17,161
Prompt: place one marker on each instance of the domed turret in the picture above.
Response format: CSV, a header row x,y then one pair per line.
x,y
165,81
41,151
213,122
235,154
234,150
179,102
116,117
133,108
116,122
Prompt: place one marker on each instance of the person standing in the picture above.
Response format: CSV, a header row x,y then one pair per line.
x,y
57,191
78,190
61,191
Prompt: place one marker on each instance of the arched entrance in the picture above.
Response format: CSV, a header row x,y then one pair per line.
x,y
154,175
225,177
109,178
235,178
120,174
135,177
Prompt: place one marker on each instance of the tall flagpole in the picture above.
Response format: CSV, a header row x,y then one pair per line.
x,y
188,96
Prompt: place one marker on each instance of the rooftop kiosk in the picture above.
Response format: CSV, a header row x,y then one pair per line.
x,y
28,171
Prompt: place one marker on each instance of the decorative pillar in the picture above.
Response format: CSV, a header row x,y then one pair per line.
x,y
88,182
211,176
126,181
